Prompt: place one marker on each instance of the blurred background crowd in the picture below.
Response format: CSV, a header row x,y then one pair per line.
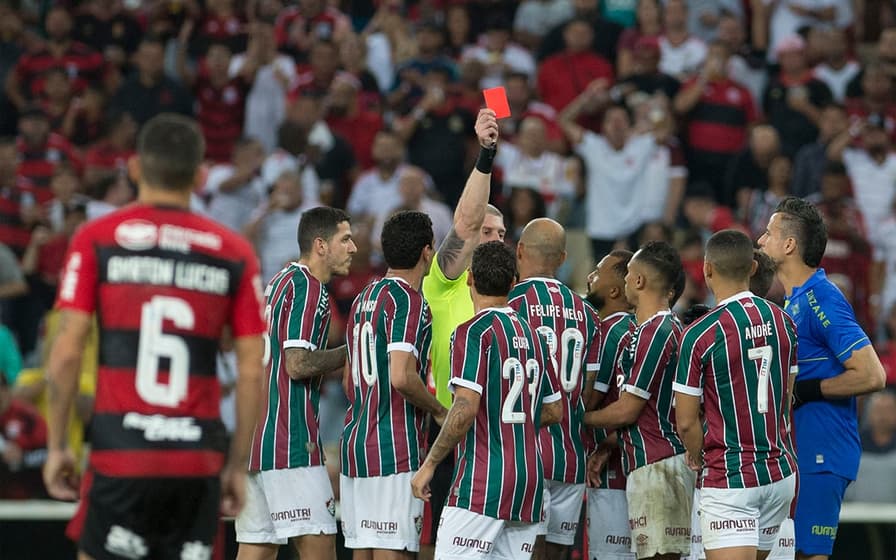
x,y
705,113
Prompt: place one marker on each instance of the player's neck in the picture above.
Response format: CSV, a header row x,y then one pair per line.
x,y
318,269
163,197
725,289
537,273
649,305
609,309
485,302
793,275
413,276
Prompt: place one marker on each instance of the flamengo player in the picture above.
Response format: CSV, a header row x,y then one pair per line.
x,y
570,328
609,534
741,359
164,283
652,453
388,332
504,388
289,493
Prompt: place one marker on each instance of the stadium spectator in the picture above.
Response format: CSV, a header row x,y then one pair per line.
x,y
347,117
645,76
409,85
837,70
681,54
13,38
109,194
812,159
221,22
377,188
824,420
67,193
316,78
353,57
747,63
562,76
23,446
760,204
874,483
12,280
887,345
521,207
231,188
40,152
107,28
57,101
292,143
649,24
748,171
523,103
14,231
499,54
302,25
793,99
109,156
705,16
876,97
89,112
148,91
535,18
605,32
882,289
786,19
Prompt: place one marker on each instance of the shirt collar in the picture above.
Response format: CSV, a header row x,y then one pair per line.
x,y
735,297
816,278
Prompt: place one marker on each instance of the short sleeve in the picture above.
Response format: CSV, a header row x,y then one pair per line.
x,y
689,373
308,309
609,354
469,359
835,322
78,288
246,317
403,322
592,353
651,356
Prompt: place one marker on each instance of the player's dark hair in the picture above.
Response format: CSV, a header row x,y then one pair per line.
x,y
731,254
405,234
664,260
621,266
493,268
321,222
801,220
171,149
678,287
762,279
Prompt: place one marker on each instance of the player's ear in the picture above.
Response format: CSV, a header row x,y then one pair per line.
x,y
753,267
519,251
470,277
134,169
707,269
562,258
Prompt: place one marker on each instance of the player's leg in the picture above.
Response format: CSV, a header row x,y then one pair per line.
x,y
817,516
609,534
697,552
661,528
187,520
784,547
539,549
315,547
563,522
439,486
774,507
113,525
515,540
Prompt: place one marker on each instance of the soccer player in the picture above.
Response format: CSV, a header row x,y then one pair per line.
x,y
609,534
571,329
389,335
164,283
446,292
504,389
836,363
740,358
289,492
652,453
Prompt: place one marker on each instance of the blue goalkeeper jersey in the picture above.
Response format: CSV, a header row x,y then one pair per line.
x,y
827,432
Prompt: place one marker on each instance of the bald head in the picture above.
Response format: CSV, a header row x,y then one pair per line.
x,y
543,244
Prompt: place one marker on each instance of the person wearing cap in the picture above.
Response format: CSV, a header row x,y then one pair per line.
x,y
871,167
793,99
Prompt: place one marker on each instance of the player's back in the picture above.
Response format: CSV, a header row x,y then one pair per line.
x,y
164,283
499,471
747,349
383,432
570,328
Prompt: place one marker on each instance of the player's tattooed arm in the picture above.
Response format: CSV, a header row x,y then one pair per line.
x,y
302,363
551,413
450,255
457,424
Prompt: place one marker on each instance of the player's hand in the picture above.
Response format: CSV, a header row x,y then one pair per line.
x,y
440,418
60,477
693,464
596,463
487,128
420,482
233,490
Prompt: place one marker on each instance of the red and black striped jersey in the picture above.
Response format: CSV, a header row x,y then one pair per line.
x,y
220,114
13,231
164,283
83,65
38,163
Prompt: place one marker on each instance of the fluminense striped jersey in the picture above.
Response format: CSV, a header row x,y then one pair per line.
x,y
383,432
648,367
571,329
498,472
297,310
615,336
740,357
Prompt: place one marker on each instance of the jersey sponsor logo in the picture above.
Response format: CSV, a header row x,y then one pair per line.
x,y
168,272
762,330
786,542
738,525
570,526
696,538
527,547
620,540
381,527
637,523
125,543
556,311
481,545
824,530
136,235
297,514
770,530
195,550
678,531
163,428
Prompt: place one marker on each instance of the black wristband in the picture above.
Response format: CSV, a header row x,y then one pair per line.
x,y
485,159
807,390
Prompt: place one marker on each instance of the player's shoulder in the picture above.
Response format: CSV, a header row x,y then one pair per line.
x,y
709,322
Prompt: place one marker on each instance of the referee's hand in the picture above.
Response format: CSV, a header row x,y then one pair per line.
x,y
487,128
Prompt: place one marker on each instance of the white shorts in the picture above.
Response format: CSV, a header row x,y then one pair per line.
x,y
380,512
731,517
784,547
562,508
609,535
463,535
697,552
660,496
286,503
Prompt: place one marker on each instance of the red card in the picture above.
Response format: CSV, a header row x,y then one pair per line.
x,y
496,100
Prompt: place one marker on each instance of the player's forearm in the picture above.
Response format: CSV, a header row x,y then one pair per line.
x,y
249,351
551,413
457,424
305,364
415,392
854,382
62,385
610,417
691,434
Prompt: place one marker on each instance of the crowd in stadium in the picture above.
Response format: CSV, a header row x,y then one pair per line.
x,y
632,121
